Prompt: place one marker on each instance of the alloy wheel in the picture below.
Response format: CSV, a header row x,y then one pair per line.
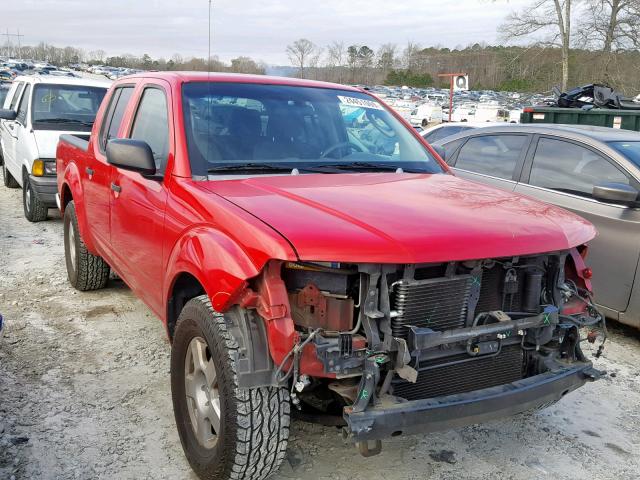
x,y
203,396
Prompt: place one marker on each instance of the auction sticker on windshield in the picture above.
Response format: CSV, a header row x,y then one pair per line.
x,y
359,102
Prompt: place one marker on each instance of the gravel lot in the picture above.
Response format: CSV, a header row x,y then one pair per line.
x,y
84,393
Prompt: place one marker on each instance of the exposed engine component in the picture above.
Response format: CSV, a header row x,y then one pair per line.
x,y
410,332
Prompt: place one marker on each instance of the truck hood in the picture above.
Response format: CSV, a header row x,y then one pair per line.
x,y
47,141
402,218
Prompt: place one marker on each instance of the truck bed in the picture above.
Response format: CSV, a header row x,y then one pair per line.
x,y
77,140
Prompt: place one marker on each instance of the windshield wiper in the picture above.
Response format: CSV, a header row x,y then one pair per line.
x,y
360,166
241,167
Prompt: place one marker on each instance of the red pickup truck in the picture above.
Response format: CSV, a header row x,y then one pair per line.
x,y
306,249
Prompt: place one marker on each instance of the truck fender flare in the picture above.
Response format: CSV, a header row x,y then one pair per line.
x,y
71,179
215,260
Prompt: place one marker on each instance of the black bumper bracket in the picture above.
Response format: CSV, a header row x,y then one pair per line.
x,y
393,416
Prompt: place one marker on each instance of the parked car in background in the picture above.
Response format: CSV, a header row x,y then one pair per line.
x,y
425,115
593,171
7,75
36,111
297,259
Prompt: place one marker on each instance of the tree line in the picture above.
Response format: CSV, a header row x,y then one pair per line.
x,y
65,56
533,68
568,42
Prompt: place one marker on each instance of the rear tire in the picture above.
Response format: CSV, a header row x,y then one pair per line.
x,y
243,433
425,123
34,209
7,179
85,271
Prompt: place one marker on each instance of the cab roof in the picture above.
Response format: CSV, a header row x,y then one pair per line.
x,y
56,80
218,77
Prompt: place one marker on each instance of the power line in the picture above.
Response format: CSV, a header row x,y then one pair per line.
x,y
9,36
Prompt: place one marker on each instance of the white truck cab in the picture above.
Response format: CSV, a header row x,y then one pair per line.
x,y
37,110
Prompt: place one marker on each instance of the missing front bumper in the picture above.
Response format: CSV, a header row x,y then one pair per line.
x,y
392,416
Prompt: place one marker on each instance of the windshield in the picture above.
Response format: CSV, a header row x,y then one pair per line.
x,y
65,107
631,150
272,127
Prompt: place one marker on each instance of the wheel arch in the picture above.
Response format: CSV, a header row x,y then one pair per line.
x,y
184,288
205,260
71,189
65,196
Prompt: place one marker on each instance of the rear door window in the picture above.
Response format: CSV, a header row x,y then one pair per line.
x,y
115,112
151,124
493,155
571,168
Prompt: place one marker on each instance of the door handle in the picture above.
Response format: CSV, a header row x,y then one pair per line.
x,y
89,172
116,189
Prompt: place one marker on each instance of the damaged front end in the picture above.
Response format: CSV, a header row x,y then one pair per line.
x,y
400,349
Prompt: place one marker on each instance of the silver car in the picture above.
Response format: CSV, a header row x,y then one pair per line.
x,y
593,171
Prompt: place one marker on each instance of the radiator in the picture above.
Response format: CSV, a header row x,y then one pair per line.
x,y
436,379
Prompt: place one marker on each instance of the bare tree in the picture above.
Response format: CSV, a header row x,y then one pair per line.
x,y
386,58
97,55
335,60
610,24
299,53
246,65
549,18
411,56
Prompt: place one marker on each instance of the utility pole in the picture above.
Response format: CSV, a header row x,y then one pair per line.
x,y
9,36
451,77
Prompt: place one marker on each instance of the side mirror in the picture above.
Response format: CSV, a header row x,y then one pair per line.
x,y
6,114
612,192
129,154
440,151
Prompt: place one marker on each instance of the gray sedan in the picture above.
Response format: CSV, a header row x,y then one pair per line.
x,y
593,171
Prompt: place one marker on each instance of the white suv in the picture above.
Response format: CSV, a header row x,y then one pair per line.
x,y
37,110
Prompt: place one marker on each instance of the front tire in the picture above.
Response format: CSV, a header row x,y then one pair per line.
x,y
34,209
226,432
85,271
7,179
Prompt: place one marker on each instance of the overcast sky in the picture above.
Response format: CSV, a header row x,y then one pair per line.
x,y
259,29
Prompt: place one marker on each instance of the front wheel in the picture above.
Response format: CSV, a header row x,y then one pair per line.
x,y
7,178
226,432
34,209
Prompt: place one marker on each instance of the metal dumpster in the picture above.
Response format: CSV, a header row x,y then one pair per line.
x,y
600,117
